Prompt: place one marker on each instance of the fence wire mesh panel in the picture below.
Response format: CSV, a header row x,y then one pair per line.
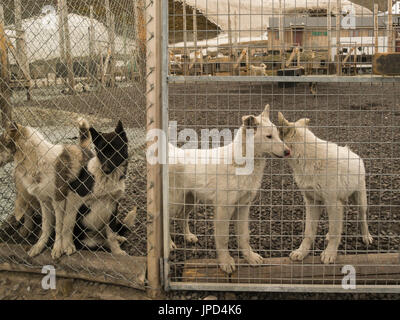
x,y
283,170
73,169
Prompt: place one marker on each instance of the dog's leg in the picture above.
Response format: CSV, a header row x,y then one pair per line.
x,y
221,230
313,213
26,206
335,215
243,236
59,207
360,198
71,210
113,241
47,228
189,236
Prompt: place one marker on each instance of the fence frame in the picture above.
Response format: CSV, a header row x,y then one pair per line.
x,y
171,79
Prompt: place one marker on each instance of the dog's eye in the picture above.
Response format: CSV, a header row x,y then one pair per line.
x,y
270,136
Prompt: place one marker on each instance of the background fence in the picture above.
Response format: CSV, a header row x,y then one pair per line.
x,y
66,59
307,59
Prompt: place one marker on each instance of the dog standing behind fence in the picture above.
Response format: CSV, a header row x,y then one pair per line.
x,y
218,184
329,175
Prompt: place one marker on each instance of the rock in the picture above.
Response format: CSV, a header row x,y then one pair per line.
x,y
210,298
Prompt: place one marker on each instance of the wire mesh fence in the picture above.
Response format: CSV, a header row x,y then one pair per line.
x,y
298,221
64,62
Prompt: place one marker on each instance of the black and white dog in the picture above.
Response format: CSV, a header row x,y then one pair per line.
x,y
95,193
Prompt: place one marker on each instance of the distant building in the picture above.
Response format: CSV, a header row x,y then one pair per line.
x,y
312,32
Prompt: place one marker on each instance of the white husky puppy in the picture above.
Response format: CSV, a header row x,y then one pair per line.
x,y
206,176
329,175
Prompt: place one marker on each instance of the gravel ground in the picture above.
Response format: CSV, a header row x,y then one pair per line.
x,y
365,117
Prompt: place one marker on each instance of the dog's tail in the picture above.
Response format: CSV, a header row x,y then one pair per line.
x,y
85,138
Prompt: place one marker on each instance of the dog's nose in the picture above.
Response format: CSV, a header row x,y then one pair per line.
x,y
287,153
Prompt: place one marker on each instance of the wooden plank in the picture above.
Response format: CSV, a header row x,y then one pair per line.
x,y
85,265
386,64
370,268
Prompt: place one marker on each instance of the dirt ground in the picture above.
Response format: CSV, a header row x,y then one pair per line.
x,y
363,116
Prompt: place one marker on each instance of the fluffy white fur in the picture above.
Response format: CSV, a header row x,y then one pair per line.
x,y
329,175
220,185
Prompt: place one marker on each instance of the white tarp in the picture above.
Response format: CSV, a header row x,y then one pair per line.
x,y
252,15
42,37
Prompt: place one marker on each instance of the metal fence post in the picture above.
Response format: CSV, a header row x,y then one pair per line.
x,y
154,121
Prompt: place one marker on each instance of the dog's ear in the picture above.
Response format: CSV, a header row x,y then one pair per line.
x,y
95,135
282,120
284,126
249,122
120,128
265,113
303,122
120,131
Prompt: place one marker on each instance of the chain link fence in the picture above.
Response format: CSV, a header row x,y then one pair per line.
x,y
63,61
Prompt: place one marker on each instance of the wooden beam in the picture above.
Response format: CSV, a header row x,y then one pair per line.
x,y
67,38
154,172
370,269
195,35
111,42
329,20
390,27
5,90
99,267
142,41
281,34
376,29
186,59
91,45
338,27
21,43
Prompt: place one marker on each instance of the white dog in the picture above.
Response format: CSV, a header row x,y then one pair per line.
x,y
329,175
258,71
218,183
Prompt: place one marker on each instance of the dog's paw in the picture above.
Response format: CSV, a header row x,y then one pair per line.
x,y
57,251
35,250
191,238
367,239
69,248
328,256
298,255
253,258
119,252
121,239
227,264
172,246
